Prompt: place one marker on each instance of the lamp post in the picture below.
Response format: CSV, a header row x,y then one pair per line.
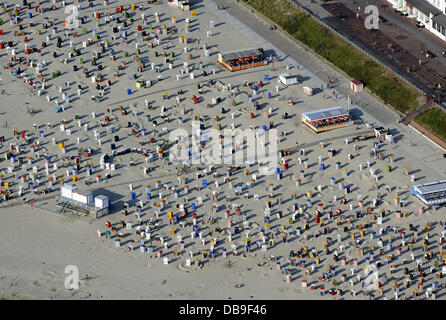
x,y
272,58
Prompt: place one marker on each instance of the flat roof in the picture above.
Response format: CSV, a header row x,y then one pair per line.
x,y
69,186
83,192
424,6
325,113
241,54
431,186
440,19
287,76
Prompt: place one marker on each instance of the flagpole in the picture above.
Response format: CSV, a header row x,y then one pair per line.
x,y
348,104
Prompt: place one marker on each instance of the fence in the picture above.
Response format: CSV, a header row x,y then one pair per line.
x,y
346,38
428,134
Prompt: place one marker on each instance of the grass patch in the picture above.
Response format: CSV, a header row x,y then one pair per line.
x,y
433,120
353,62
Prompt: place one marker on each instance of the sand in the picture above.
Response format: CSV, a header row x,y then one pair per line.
x,y
38,243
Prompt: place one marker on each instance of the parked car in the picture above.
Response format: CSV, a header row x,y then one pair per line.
x,y
420,24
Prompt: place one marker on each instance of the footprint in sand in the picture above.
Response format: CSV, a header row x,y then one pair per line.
x,y
36,283
81,295
364,177
49,273
254,225
16,295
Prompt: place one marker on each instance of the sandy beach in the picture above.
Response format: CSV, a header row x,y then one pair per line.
x,y
38,242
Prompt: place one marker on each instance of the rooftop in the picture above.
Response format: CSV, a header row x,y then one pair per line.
x,y
424,6
241,54
439,185
325,113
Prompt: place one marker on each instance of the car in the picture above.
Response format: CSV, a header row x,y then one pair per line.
x,y
420,24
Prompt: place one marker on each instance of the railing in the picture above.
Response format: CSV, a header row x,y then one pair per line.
x,y
359,47
75,202
64,207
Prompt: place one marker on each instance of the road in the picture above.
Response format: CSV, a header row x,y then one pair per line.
x,y
420,39
427,39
